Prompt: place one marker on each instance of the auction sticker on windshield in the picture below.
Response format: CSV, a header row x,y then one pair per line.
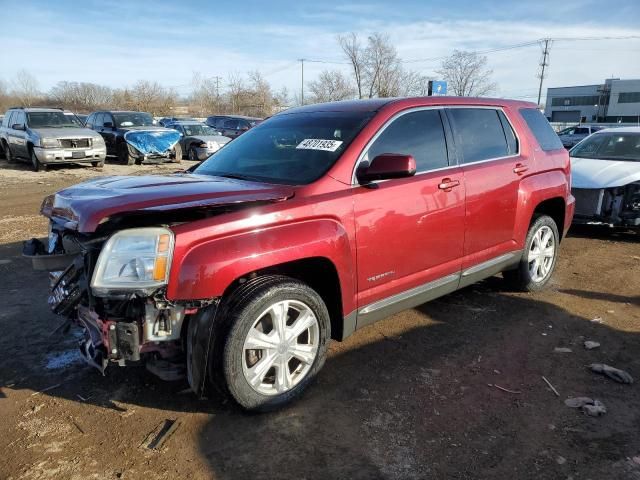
x,y
319,144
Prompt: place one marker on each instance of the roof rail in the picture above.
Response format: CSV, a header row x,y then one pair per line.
x,y
34,106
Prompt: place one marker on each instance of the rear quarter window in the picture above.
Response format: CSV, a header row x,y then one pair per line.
x,y
543,132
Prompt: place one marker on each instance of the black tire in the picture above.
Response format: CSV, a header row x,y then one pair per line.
x,y
193,155
176,155
239,313
35,163
7,153
124,156
521,277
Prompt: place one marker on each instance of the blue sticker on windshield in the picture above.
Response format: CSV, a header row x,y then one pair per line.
x,y
149,142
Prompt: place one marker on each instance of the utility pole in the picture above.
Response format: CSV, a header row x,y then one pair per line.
x,y
301,60
544,63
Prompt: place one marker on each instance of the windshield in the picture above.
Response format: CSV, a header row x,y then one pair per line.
x,y
74,119
292,149
197,129
50,120
133,119
609,146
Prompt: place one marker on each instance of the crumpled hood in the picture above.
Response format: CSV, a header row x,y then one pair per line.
x,y
86,204
597,173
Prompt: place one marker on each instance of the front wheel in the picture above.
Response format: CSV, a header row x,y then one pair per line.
x,y
124,156
539,258
193,155
35,163
7,153
176,155
277,343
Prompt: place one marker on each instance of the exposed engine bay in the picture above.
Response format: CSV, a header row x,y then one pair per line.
x,y
617,206
120,327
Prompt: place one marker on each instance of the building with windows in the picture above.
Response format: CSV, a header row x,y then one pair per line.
x,y
614,101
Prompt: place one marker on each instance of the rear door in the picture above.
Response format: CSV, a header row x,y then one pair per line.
x,y
409,231
488,150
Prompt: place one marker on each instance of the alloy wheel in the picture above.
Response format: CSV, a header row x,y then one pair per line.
x,y
541,254
280,347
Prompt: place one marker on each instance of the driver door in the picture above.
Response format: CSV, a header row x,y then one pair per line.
x,y
409,231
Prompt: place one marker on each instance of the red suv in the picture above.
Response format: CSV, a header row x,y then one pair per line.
x,y
319,221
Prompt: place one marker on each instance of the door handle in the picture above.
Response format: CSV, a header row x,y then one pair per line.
x,y
447,184
520,168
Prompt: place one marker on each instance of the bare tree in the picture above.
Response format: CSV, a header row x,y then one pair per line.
x,y
152,97
356,55
81,96
236,88
467,74
25,88
330,86
205,96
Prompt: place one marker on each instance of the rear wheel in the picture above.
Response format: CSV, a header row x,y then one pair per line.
x,y
35,163
278,333
539,258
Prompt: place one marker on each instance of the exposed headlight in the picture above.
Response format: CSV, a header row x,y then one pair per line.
x,y
134,259
49,142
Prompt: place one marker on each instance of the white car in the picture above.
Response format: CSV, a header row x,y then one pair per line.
x,y
606,178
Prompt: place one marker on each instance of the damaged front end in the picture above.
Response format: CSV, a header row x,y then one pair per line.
x,y
614,207
113,286
152,146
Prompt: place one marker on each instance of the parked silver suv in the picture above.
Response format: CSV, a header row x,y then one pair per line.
x,y
47,135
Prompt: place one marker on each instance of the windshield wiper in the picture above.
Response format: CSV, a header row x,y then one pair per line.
x,y
235,176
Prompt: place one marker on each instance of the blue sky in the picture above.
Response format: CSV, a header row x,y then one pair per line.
x,y
118,43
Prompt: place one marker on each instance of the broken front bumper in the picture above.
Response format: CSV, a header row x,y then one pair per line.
x,y
116,330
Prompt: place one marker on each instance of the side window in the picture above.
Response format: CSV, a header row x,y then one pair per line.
x,y
420,134
219,122
107,117
7,119
512,140
480,134
539,126
231,123
582,131
99,122
89,121
18,117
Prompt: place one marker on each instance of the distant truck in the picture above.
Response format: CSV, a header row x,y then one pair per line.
x,y
44,136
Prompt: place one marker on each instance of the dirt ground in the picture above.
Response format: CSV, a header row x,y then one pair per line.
x,y
414,396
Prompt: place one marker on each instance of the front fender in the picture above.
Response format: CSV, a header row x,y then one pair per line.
x,y
209,266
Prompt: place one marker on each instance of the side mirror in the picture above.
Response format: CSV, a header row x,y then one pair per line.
x,y
18,126
108,125
385,167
